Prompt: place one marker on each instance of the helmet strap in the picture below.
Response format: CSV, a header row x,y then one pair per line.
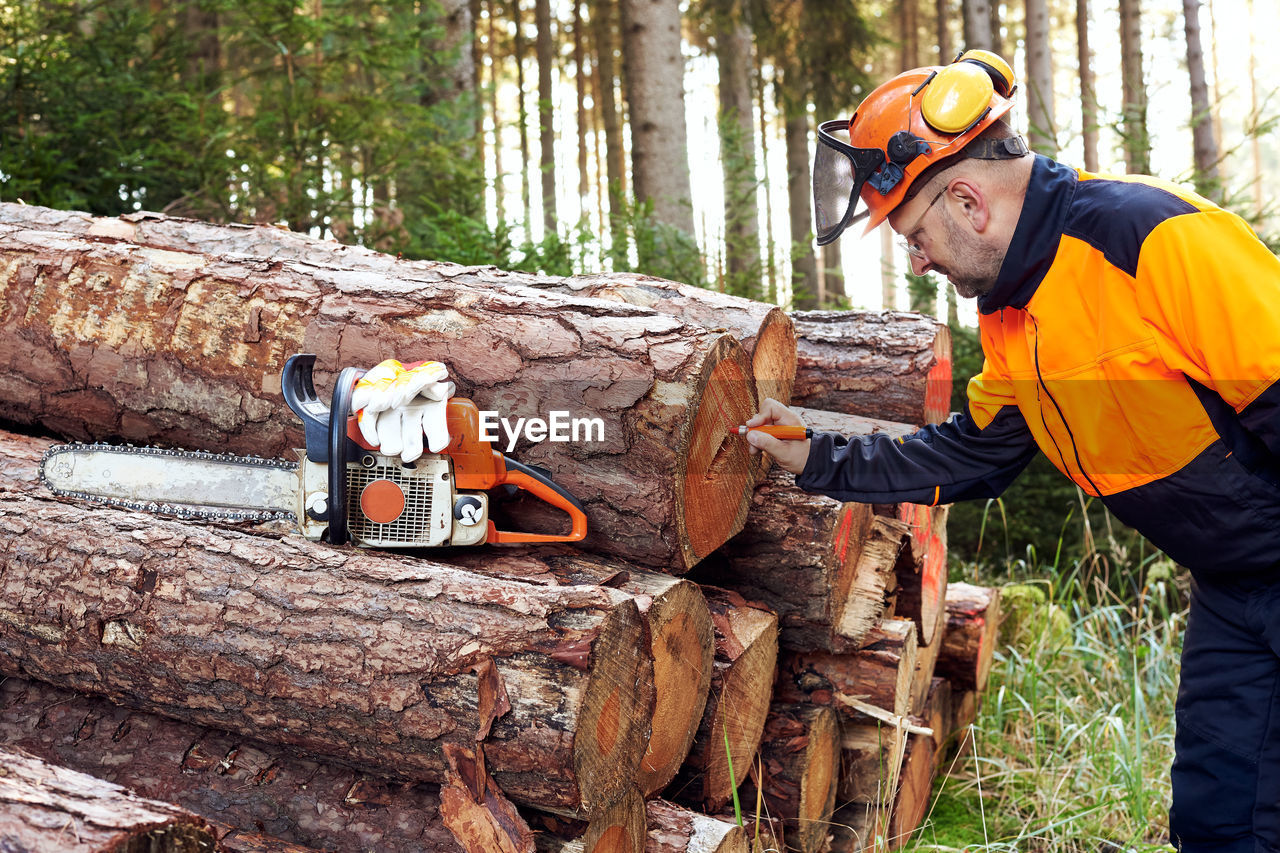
x,y
1009,148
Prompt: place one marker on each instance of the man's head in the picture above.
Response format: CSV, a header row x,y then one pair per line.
x,y
929,138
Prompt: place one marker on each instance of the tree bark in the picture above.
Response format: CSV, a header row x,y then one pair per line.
x,y
218,775
871,757
737,156
373,660
680,635
1137,142
545,47
825,567
737,704
800,754
895,366
606,82
50,808
919,767
654,68
878,674
1088,88
671,829
1040,80
104,338
794,103
1205,147
977,24
518,52
969,642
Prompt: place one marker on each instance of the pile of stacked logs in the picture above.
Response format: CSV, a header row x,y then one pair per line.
x,y
721,642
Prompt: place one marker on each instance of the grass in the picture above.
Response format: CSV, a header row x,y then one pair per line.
x,y
1072,747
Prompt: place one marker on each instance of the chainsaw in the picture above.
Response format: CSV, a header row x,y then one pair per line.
x,y
342,490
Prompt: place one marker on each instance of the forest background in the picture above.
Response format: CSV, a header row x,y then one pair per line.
x,y
585,135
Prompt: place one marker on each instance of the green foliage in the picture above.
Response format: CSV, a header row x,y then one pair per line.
x,y
1071,750
97,110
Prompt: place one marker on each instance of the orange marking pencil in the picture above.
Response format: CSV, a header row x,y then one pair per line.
x,y
786,433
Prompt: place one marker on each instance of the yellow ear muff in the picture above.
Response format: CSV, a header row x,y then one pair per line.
x,y
956,97
994,65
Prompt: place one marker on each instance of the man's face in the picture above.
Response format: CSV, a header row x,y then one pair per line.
x,y
937,241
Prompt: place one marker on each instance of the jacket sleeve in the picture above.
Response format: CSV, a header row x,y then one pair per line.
x,y
955,460
1215,290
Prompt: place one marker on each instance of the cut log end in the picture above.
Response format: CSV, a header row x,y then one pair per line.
x,y
740,715
615,714
683,651
719,471
618,829
773,357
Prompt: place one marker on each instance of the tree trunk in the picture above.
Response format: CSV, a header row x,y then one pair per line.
x,y
1137,142
909,34
878,674
832,288
545,46
218,775
606,81
793,101
1205,147
654,67
580,86
969,642
1088,88
1044,131
526,191
255,636
117,331
50,808
238,841
977,24
943,13
800,754
825,567
738,702
499,176
893,366
737,153
680,634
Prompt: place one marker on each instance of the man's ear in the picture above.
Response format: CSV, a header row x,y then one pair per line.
x,y
974,204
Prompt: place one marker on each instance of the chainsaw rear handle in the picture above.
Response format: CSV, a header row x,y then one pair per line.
x,y
544,488
343,388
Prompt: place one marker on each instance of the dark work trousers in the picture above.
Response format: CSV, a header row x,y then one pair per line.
x,y
1226,766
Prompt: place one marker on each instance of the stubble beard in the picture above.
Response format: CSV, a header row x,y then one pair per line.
x,y
982,261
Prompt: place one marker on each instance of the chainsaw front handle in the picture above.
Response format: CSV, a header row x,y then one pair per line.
x,y
548,491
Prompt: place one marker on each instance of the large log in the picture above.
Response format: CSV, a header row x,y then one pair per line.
x,y
729,733
969,641
765,331
877,674
922,587
671,829
800,757
49,808
239,782
680,636
920,765
372,659
102,339
827,568
879,364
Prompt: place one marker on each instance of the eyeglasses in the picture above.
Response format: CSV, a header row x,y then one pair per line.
x,y
913,249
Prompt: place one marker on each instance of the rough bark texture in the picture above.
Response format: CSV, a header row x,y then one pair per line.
x,y
45,807
969,641
738,702
800,755
825,567
879,673
680,635
240,782
670,829
890,365
654,70
100,337
371,659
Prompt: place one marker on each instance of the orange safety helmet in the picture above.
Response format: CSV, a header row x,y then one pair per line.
x,y
916,119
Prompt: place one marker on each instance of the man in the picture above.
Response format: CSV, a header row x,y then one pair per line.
x,y
1131,332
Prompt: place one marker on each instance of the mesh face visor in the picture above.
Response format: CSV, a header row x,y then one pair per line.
x,y
839,171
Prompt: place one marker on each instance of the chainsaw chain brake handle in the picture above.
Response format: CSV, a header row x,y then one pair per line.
x,y
477,466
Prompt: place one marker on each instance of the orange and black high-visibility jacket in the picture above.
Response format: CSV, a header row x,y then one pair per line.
x,y
1133,336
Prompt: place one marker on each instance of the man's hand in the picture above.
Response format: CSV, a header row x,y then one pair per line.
x,y
396,404
791,455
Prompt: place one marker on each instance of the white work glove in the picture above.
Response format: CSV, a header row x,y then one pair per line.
x,y
396,405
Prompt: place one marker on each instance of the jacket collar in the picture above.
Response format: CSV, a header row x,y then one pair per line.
x,y
1035,239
